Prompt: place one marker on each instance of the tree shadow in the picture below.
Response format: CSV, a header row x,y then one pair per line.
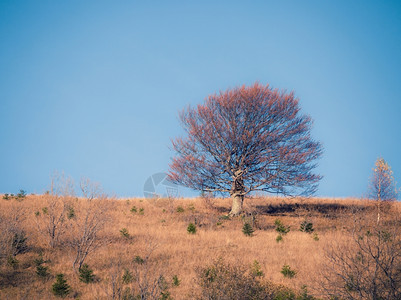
x,y
328,210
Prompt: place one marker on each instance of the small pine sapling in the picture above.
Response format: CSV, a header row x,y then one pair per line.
x,y
60,288
191,229
288,272
247,229
86,274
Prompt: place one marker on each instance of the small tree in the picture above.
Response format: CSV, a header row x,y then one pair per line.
x,y
89,221
60,287
246,139
51,221
86,274
247,229
191,228
382,187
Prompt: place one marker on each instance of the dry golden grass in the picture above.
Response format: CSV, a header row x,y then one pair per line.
x,y
174,251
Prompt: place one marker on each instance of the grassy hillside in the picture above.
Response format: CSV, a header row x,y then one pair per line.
x,y
145,239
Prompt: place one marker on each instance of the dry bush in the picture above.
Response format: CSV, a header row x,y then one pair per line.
x,y
51,218
12,237
368,266
224,281
89,219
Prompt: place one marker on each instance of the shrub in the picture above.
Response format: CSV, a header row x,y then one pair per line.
x,y
163,286
60,288
141,211
306,227
12,261
21,195
288,272
124,233
191,207
247,229
180,209
19,243
315,236
191,228
127,277
133,209
41,271
139,260
176,281
6,197
280,228
224,281
256,269
70,212
86,274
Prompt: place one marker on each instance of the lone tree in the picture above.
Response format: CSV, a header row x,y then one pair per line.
x,y
243,140
382,186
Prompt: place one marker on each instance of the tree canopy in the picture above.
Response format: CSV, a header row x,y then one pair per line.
x,y
246,139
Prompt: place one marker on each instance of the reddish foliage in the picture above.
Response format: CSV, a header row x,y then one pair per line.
x,y
247,139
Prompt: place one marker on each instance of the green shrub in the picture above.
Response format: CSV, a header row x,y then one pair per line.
x,y
191,228
279,238
315,236
141,211
12,261
70,212
133,209
288,272
256,269
247,229
128,295
280,228
19,244
176,281
60,288
180,209
127,277
6,197
306,227
304,294
163,286
139,260
41,271
86,274
124,233
21,195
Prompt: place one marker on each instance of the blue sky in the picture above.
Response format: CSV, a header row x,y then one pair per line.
x,y
93,88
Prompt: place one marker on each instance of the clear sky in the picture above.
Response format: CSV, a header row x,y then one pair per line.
x,y
93,88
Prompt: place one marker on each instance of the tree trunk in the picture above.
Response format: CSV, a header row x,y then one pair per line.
x,y
236,207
